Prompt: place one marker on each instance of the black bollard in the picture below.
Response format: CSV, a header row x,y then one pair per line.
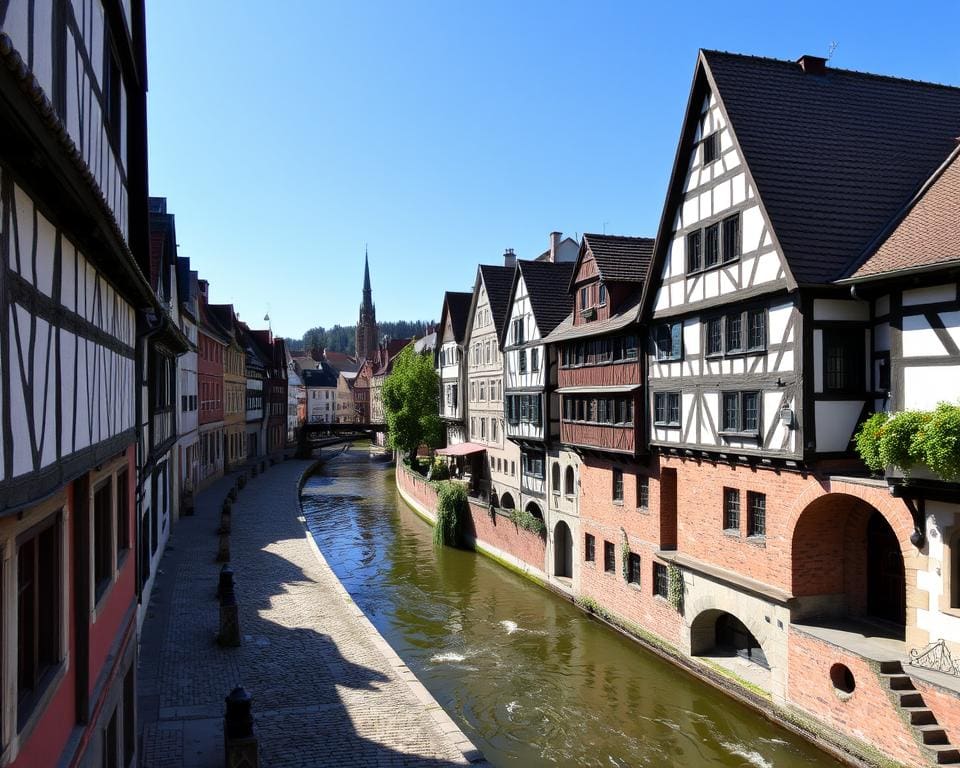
x,y
225,516
239,740
225,581
229,613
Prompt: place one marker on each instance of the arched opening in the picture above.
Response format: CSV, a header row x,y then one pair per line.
x,y
534,510
568,482
847,562
555,477
506,502
726,640
562,551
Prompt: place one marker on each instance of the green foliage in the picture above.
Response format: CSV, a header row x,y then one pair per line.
x,y
910,438
410,395
527,521
343,338
868,440
675,586
591,605
624,555
439,470
938,441
452,512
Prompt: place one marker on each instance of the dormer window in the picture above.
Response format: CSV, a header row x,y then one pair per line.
x,y
711,148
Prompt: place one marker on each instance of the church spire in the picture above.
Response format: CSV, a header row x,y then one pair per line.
x,y
367,292
366,335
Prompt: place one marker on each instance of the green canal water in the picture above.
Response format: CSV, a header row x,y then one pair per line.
x,y
532,680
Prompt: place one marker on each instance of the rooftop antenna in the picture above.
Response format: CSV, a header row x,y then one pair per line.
x,y
605,227
831,48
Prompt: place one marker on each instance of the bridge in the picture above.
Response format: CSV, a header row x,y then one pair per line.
x,y
341,428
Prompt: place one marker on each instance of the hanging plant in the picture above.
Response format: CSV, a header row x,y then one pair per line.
x,y
912,438
675,586
624,555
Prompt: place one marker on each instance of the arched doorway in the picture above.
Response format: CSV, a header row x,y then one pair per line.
x,y
719,634
555,477
506,502
562,551
886,584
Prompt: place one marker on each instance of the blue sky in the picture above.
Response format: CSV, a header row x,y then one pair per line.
x,y
442,133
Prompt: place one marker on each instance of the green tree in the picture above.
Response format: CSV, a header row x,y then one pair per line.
x,y
410,395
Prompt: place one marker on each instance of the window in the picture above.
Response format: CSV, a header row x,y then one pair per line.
x,y
483,428
731,238
589,548
102,537
633,568
534,360
741,412
756,514
112,87
734,333
513,469
731,510
123,513
38,613
666,409
609,557
711,254
518,331
618,485
568,482
643,492
756,329
585,297
601,294
843,360
555,477
711,147
715,336
522,361
531,464
694,251
661,580
483,391
493,430
668,341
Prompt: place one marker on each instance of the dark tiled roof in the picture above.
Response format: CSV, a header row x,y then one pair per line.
x,y
458,307
324,376
497,281
620,258
928,232
834,156
546,284
342,361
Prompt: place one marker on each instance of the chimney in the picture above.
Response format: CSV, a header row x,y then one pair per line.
x,y
509,258
316,353
812,65
554,244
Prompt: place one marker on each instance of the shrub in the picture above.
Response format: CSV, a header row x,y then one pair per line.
x,y
938,441
527,521
439,470
909,438
452,512
675,586
868,440
896,446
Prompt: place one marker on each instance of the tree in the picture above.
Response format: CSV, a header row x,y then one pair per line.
x,y
410,395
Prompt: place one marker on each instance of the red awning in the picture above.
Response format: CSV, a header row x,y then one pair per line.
x,y
461,449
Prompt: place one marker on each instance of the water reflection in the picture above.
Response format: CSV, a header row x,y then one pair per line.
x,y
530,679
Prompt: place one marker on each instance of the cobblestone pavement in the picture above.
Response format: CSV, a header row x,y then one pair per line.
x,y
327,689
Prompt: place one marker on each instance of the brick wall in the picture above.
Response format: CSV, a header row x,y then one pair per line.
x,y
945,706
496,531
867,714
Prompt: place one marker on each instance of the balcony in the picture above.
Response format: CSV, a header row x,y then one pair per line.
x,y
602,437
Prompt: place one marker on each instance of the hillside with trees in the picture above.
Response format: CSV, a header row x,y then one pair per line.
x,y
342,338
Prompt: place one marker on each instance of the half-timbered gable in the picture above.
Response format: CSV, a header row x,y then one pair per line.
x,y
450,363
536,305
497,475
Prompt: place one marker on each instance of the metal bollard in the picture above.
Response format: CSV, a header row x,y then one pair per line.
x,y
223,550
229,613
232,494
241,482
240,746
253,471
226,577
225,516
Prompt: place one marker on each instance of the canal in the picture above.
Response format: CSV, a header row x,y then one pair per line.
x,y
532,680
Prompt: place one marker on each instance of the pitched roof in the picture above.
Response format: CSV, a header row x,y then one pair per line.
x,y
834,156
546,282
927,231
342,361
497,281
324,376
457,304
620,258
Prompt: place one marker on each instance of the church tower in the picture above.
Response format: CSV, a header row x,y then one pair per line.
x,y
366,340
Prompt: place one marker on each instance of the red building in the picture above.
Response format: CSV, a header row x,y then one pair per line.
x,y
210,382
76,249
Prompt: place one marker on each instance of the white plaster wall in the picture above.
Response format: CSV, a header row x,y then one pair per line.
x,y
941,517
835,422
926,385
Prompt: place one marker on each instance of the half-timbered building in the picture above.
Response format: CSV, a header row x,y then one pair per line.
x,y
74,305
537,304
450,366
255,369
234,386
496,475
762,365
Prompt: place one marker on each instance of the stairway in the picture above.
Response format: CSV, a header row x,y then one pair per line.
x,y
931,737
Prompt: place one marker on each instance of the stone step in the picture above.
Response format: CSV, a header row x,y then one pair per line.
x,y
911,699
932,734
945,754
898,682
919,715
891,668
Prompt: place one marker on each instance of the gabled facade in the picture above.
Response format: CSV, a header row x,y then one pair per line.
x,y
211,428
188,439
256,372
449,359
234,386
321,387
74,307
499,472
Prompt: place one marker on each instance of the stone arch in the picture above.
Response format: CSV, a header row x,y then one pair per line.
x,y
569,482
534,509
562,550
507,502
836,538
703,628
555,477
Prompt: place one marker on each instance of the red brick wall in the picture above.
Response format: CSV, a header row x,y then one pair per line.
x,y
945,706
868,714
499,531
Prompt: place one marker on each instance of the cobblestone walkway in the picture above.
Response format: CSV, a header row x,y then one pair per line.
x,y
327,689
